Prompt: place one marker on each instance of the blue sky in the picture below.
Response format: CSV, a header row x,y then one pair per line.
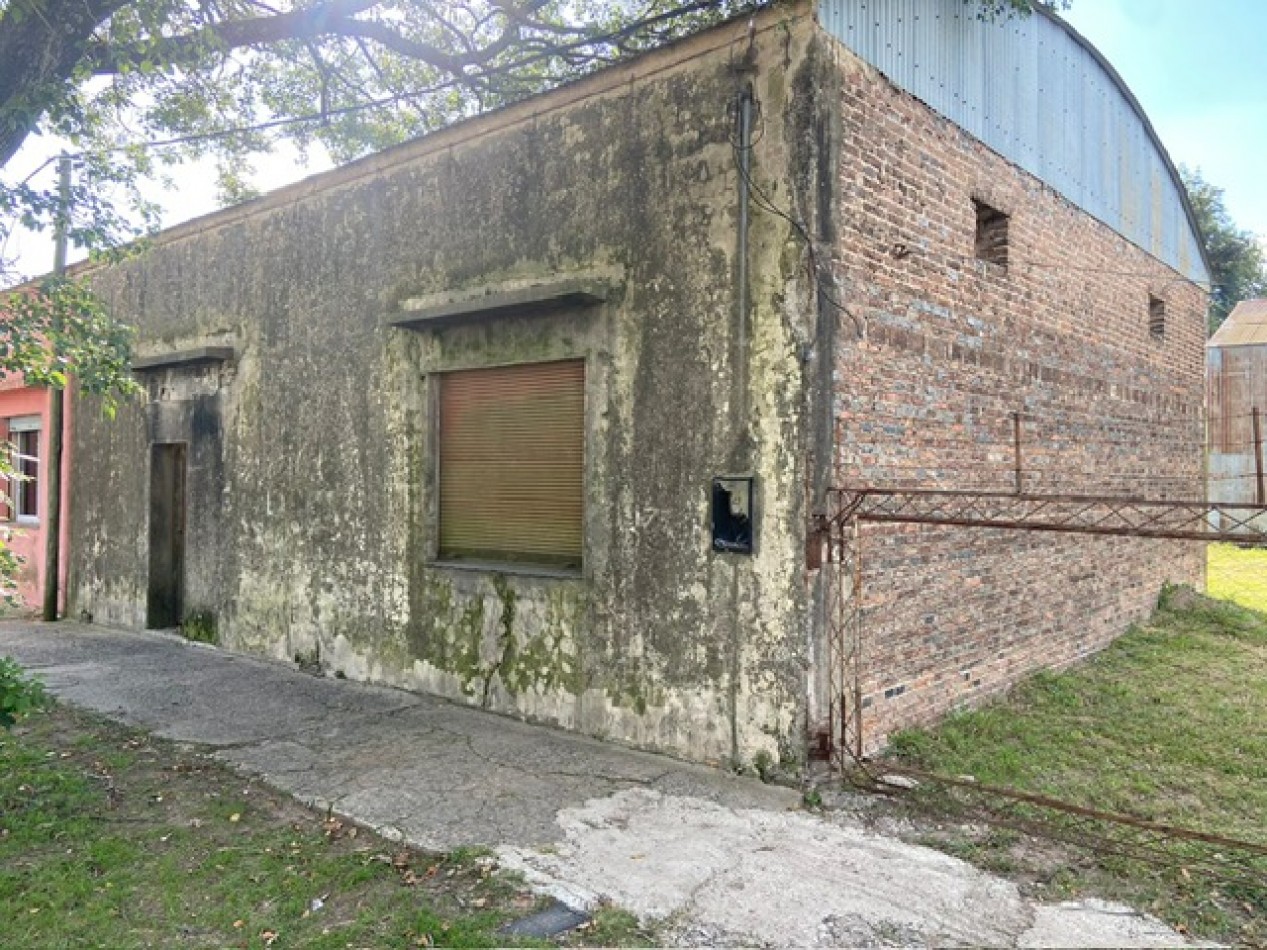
x,y
1199,69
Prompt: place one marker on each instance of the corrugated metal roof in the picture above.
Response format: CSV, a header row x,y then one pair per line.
x,y
1039,94
1244,326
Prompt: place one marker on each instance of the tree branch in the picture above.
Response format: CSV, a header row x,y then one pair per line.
x,y
334,18
41,44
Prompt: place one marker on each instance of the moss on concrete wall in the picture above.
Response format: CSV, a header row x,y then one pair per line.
x,y
320,522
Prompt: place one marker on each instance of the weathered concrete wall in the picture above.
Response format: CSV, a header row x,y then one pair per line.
x,y
312,526
949,347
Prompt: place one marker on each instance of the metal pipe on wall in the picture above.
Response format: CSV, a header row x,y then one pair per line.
x,y
744,148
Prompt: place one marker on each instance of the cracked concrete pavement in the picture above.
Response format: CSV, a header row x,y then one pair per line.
x,y
722,860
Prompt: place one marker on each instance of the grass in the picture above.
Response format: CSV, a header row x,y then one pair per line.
x,y
200,627
109,837
1239,575
1167,725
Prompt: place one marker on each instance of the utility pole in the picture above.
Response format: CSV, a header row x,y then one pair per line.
x,y
56,413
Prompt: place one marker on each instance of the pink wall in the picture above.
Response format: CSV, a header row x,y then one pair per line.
x,y
27,541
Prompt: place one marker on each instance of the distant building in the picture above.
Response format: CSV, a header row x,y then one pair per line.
x,y
1236,373
24,428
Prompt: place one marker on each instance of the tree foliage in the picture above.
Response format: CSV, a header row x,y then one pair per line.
x,y
20,694
227,78
61,330
1238,265
50,334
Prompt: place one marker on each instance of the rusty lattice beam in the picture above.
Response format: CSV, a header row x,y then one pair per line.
x,y
835,543
1119,516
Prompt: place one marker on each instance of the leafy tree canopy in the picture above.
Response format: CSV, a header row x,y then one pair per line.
x,y
228,78
1238,265
48,334
60,329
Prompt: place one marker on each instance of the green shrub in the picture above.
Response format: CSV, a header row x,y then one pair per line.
x,y
19,693
200,627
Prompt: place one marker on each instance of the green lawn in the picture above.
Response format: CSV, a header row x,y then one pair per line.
x,y
1238,574
110,838
1169,724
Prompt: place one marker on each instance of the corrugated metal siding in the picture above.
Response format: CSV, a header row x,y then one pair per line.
x,y
1236,380
1028,89
1236,383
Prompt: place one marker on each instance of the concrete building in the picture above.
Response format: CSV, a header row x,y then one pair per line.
x,y
534,412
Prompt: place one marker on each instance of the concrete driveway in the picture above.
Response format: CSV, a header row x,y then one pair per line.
x,y
721,860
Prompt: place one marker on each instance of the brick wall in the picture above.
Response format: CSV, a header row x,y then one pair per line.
x,y
924,395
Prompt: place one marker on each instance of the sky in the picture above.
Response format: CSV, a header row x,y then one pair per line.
x,y
1198,68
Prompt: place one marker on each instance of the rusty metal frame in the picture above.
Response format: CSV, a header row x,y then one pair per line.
x,y
1122,516
841,534
1234,861
836,537
836,540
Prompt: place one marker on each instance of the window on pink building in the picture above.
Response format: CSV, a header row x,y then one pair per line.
x,y
24,491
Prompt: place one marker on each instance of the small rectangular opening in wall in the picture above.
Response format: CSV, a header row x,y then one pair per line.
x,y
991,239
732,514
1156,318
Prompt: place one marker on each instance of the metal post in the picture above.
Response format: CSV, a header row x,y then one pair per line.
x,y
1259,495
62,225
56,411
857,644
1016,453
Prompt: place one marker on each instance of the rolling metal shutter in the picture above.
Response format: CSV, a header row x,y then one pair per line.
x,y
512,442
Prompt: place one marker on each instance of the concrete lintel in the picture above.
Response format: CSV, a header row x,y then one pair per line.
x,y
200,354
421,312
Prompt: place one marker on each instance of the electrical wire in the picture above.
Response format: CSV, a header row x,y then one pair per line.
x,y
901,250
763,201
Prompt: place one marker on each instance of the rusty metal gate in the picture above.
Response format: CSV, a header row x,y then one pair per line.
x,y
837,547
837,536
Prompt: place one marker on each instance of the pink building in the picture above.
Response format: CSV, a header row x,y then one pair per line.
x,y
24,425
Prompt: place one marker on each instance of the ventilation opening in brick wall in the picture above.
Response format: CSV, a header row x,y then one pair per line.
x,y
991,240
1156,318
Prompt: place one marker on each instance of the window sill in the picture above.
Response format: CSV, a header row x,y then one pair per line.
x,y
520,570
25,521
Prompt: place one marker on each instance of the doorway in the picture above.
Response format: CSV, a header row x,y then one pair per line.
x,y
167,535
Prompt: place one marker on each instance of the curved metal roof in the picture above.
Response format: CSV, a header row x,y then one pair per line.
x,y
1038,93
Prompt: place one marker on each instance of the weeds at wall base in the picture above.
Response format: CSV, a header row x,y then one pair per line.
x,y
200,627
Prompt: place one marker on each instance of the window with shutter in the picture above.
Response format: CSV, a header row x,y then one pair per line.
x,y
511,466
